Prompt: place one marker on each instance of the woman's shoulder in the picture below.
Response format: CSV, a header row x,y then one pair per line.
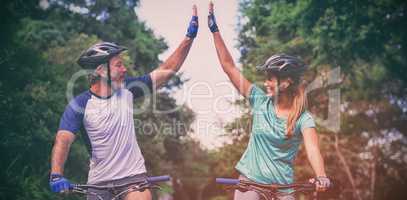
x,y
257,96
306,113
255,89
305,116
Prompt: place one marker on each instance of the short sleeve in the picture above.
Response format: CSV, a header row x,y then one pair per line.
x,y
72,118
139,86
257,96
307,121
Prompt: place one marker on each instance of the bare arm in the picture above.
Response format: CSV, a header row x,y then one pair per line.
x,y
228,66
166,70
313,153
226,61
63,141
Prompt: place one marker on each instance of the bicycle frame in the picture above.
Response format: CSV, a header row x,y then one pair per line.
x,y
150,183
268,191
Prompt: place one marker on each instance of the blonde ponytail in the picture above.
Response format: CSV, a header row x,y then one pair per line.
x,y
299,105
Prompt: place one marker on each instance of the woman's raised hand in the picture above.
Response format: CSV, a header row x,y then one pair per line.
x,y
211,19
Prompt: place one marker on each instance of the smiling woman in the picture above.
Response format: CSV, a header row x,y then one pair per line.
x,y
280,121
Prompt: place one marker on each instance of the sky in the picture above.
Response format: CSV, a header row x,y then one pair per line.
x,y
208,92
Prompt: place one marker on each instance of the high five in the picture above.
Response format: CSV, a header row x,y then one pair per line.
x,y
280,118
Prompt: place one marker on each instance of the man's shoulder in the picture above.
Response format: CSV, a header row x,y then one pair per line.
x,y
139,86
131,81
80,99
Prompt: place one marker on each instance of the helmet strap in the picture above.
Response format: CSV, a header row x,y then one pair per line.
x,y
109,79
277,91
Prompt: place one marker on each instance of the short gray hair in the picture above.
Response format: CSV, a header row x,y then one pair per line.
x,y
94,76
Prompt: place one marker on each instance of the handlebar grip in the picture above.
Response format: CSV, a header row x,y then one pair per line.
x,y
227,181
156,179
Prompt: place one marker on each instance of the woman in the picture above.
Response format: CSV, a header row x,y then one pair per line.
x,y
280,120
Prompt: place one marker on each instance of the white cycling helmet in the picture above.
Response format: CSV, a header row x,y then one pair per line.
x,y
283,64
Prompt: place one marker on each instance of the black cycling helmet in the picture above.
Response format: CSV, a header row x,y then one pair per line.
x,y
98,54
283,64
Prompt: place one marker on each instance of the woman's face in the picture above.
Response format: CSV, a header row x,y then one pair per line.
x,y
271,84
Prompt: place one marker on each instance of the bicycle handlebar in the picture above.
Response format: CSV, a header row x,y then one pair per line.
x,y
150,180
229,181
156,179
270,191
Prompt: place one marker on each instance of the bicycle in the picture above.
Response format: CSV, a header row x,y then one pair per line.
x,y
268,191
149,183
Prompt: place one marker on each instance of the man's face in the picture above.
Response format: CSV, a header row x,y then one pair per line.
x,y
117,69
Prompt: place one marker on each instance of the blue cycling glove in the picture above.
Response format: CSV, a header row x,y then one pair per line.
x,y
212,23
193,27
58,183
211,19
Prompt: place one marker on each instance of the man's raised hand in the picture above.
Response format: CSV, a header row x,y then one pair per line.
x,y
193,24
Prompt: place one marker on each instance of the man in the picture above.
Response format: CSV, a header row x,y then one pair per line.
x,y
106,113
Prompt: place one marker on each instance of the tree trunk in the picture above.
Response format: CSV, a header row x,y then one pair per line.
x,y
373,175
347,168
200,193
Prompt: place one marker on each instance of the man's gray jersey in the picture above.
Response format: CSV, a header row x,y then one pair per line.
x,y
109,125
